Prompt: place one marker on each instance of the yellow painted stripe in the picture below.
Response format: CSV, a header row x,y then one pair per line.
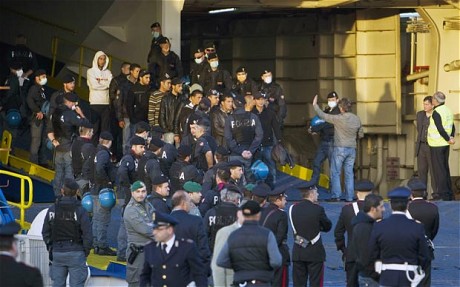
x,y
304,173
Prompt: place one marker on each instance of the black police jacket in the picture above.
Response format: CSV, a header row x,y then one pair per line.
x,y
343,226
270,126
78,157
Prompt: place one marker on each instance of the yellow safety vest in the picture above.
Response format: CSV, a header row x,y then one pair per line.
x,y
434,137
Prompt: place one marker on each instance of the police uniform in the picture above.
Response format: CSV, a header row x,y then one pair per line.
x,y
172,263
77,156
308,220
138,219
221,215
427,213
12,272
167,157
197,71
218,79
344,225
276,219
243,131
200,148
68,237
399,244
158,201
182,171
275,96
211,199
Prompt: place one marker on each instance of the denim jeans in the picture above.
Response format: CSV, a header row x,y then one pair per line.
x,y
265,154
101,220
367,282
323,152
343,156
72,263
37,142
126,132
63,169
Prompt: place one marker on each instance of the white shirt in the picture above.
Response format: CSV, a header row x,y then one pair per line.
x,y
169,244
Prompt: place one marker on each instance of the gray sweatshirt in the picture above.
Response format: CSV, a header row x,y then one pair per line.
x,y
347,127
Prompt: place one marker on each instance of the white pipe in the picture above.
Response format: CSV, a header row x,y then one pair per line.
x,y
452,66
378,179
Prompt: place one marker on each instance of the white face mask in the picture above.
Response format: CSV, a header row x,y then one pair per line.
x,y
332,104
19,73
43,81
214,64
155,34
74,107
199,61
268,80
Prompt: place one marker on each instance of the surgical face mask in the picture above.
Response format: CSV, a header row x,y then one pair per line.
x,y
332,104
74,107
155,34
199,60
19,73
43,81
268,80
214,64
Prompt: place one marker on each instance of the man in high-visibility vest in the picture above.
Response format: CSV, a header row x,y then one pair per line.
x,y
441,133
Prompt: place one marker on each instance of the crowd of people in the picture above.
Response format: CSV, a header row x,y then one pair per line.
x,y
179,159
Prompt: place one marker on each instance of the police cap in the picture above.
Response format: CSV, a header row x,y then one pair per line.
x,y
212,92
105,135
257,95
71,97
9,230
136,140
157,180
277,192
332,95
155,25
399,193
261,190
157,142
163,219
39,72
241,69
234,163
250,186
184,150
364,185
68,79
416,184
209,45
137,185
250,208
191,186
308,186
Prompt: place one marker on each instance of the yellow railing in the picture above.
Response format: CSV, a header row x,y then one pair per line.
x,y
22,205
83,50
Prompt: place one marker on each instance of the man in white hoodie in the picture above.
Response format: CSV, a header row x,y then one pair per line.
x,y
98,79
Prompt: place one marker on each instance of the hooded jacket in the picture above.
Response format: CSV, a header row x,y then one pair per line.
x,y
98,81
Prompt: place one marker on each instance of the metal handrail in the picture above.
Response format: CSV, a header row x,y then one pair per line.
x,y
22,205
82,49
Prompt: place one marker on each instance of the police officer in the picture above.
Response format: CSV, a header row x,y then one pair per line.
x,y
236,170
244,134
127,174
82,148
427,213
243,84
216,78
274,93
65,122
104,177
182,170
275,218
221,158
259,194
308,220
202,155
212,197
190,226
141,129
36,98
12,272
198,68
223,214
57,98
398,244
160,194
170,260
165,61
149,164
344,225
326,133
67,235
21,55
168,152
251,251
154,46
138,220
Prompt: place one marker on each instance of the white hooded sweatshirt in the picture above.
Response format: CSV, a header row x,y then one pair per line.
x,y
98,81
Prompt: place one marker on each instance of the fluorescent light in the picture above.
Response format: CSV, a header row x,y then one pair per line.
x,y
409,15
222,10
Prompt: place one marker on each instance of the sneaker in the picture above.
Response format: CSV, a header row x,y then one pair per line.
x,y
121,259
105,251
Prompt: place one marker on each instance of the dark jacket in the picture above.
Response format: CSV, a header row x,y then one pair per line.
x,y
276,220
242,89
309,219
36,98
270,126
137,103
77,156
362,228
218,117
243,131
181,172
178,268
343,226
18,274
169,113
422,123
191,227
219,79
427,213
149,167
275,95
217,217
115,94
159,203
326,130
167,157
73,235
105,171
166,64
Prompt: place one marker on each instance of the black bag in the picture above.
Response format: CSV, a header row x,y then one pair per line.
x,y
281,156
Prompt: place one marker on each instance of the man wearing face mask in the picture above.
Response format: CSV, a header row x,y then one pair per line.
x,y
326,133
155,29
216,78
243,84
274,94
35,100
198,68
65,121
165,62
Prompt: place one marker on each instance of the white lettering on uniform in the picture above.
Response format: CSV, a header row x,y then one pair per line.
x,y
216,199
163,155
212,220
182,176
